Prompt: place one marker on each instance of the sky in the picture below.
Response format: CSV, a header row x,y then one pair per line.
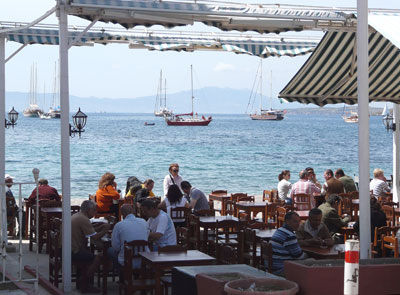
x,y
115,71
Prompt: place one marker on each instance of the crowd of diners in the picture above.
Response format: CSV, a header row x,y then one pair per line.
x,y
320,229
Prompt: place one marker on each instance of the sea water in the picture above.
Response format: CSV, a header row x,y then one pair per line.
x,y
233,152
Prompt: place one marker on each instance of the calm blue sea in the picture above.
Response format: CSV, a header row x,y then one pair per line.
x,y
233,152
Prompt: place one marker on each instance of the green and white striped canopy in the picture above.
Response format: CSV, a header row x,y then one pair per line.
x,y
329,76
258,46
263,18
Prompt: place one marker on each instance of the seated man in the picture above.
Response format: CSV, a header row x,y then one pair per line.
x,y
162,229
378,185
12,207
313,232
81,230
331,185
129,229
198,200
330,214
348,182
284,243
46,192
141,191
305,186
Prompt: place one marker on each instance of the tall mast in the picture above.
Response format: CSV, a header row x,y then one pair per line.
x,y
270,94
55,86
261,82
191,78
165,94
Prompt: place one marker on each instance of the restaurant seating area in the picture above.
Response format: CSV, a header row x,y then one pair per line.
x,y
235,232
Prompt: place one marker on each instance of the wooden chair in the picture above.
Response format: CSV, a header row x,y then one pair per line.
x,y
257,225
354,195
194,240
267,197
211,205
251,253
237,196
346,205
270,215
266,257
227,255
384,230
389,212
182,236
227,232
172,249
180,213
387,197
390,243
75,209
205,212
280,216
246,199
55,257
302,201
391,204
11,215
230,207
219,192
135,279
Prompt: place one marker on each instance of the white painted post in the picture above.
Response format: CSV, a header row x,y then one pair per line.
x,y
3,140
351,267
396,152
65,150
363,127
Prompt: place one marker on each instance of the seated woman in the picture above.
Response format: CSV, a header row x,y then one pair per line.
x,y
284,186
106,193
174,199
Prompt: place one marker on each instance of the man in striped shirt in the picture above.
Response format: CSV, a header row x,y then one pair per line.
x,y
284,243
378,185
303,186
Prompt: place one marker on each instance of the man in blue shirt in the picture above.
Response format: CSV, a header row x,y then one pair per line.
x,y
284,243
129,229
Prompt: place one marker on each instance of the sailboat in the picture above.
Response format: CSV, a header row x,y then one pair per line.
x,y
271,114
44,116
350,118
189,119
33,110
161,102
55,110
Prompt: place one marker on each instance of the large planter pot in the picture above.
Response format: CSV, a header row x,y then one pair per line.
x,y
261,286
213,283
376,276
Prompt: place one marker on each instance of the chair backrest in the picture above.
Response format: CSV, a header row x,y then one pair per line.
x,y
280,216
219,192
391,204
387,197
383,230
226,230
227,255
266,256
211,204
205,212
75,209
194,230
55,224
267,196
180,213
346,205
236,196
389,212
256,225
182,236
274,195
390,243
302,201
172,249
246,199
230,207
354,195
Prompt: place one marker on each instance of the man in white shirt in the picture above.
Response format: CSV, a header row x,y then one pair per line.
x,y
162,230
378,185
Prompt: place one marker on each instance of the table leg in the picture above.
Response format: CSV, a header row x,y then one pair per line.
x,y
158,273
27,216
105,269
205,239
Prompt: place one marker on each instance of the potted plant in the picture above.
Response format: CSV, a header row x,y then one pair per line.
x,y
261,286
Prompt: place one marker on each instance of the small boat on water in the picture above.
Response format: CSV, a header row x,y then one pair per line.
x,y
149,124
33,110
45,116
161,109
55,109
188,119
350,118
262,114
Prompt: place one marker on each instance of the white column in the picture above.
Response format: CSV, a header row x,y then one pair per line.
x,y
65,151
363,127
3,137
396,153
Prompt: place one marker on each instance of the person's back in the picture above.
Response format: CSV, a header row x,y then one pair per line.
x,y
163,224
46,192
334,186
330,214
348,184
202,202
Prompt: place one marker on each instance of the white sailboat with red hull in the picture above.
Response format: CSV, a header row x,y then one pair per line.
x,y
188,119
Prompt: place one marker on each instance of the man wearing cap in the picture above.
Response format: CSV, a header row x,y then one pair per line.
x,y
12,208
46,192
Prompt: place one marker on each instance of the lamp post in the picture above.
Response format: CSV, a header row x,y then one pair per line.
x,y
12,118
79,120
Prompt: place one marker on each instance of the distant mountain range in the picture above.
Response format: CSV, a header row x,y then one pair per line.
x,y
210,100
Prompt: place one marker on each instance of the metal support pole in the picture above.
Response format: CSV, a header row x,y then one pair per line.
x,y
4,240
363,127
396,153
65,150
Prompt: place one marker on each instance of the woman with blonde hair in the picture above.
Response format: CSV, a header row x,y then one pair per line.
x,y
172,178
106,193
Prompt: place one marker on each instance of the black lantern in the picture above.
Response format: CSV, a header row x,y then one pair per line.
x,y
388,122
79,120
12,118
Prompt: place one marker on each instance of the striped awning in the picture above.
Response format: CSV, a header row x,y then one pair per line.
x,y
262,18
329,76
263,46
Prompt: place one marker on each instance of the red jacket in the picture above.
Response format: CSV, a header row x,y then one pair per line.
x,y
46,192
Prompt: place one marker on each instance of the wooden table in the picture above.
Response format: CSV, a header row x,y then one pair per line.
x,y
209,222
332,252
220,198
265,234
303,214
163,261
48,213
252,207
